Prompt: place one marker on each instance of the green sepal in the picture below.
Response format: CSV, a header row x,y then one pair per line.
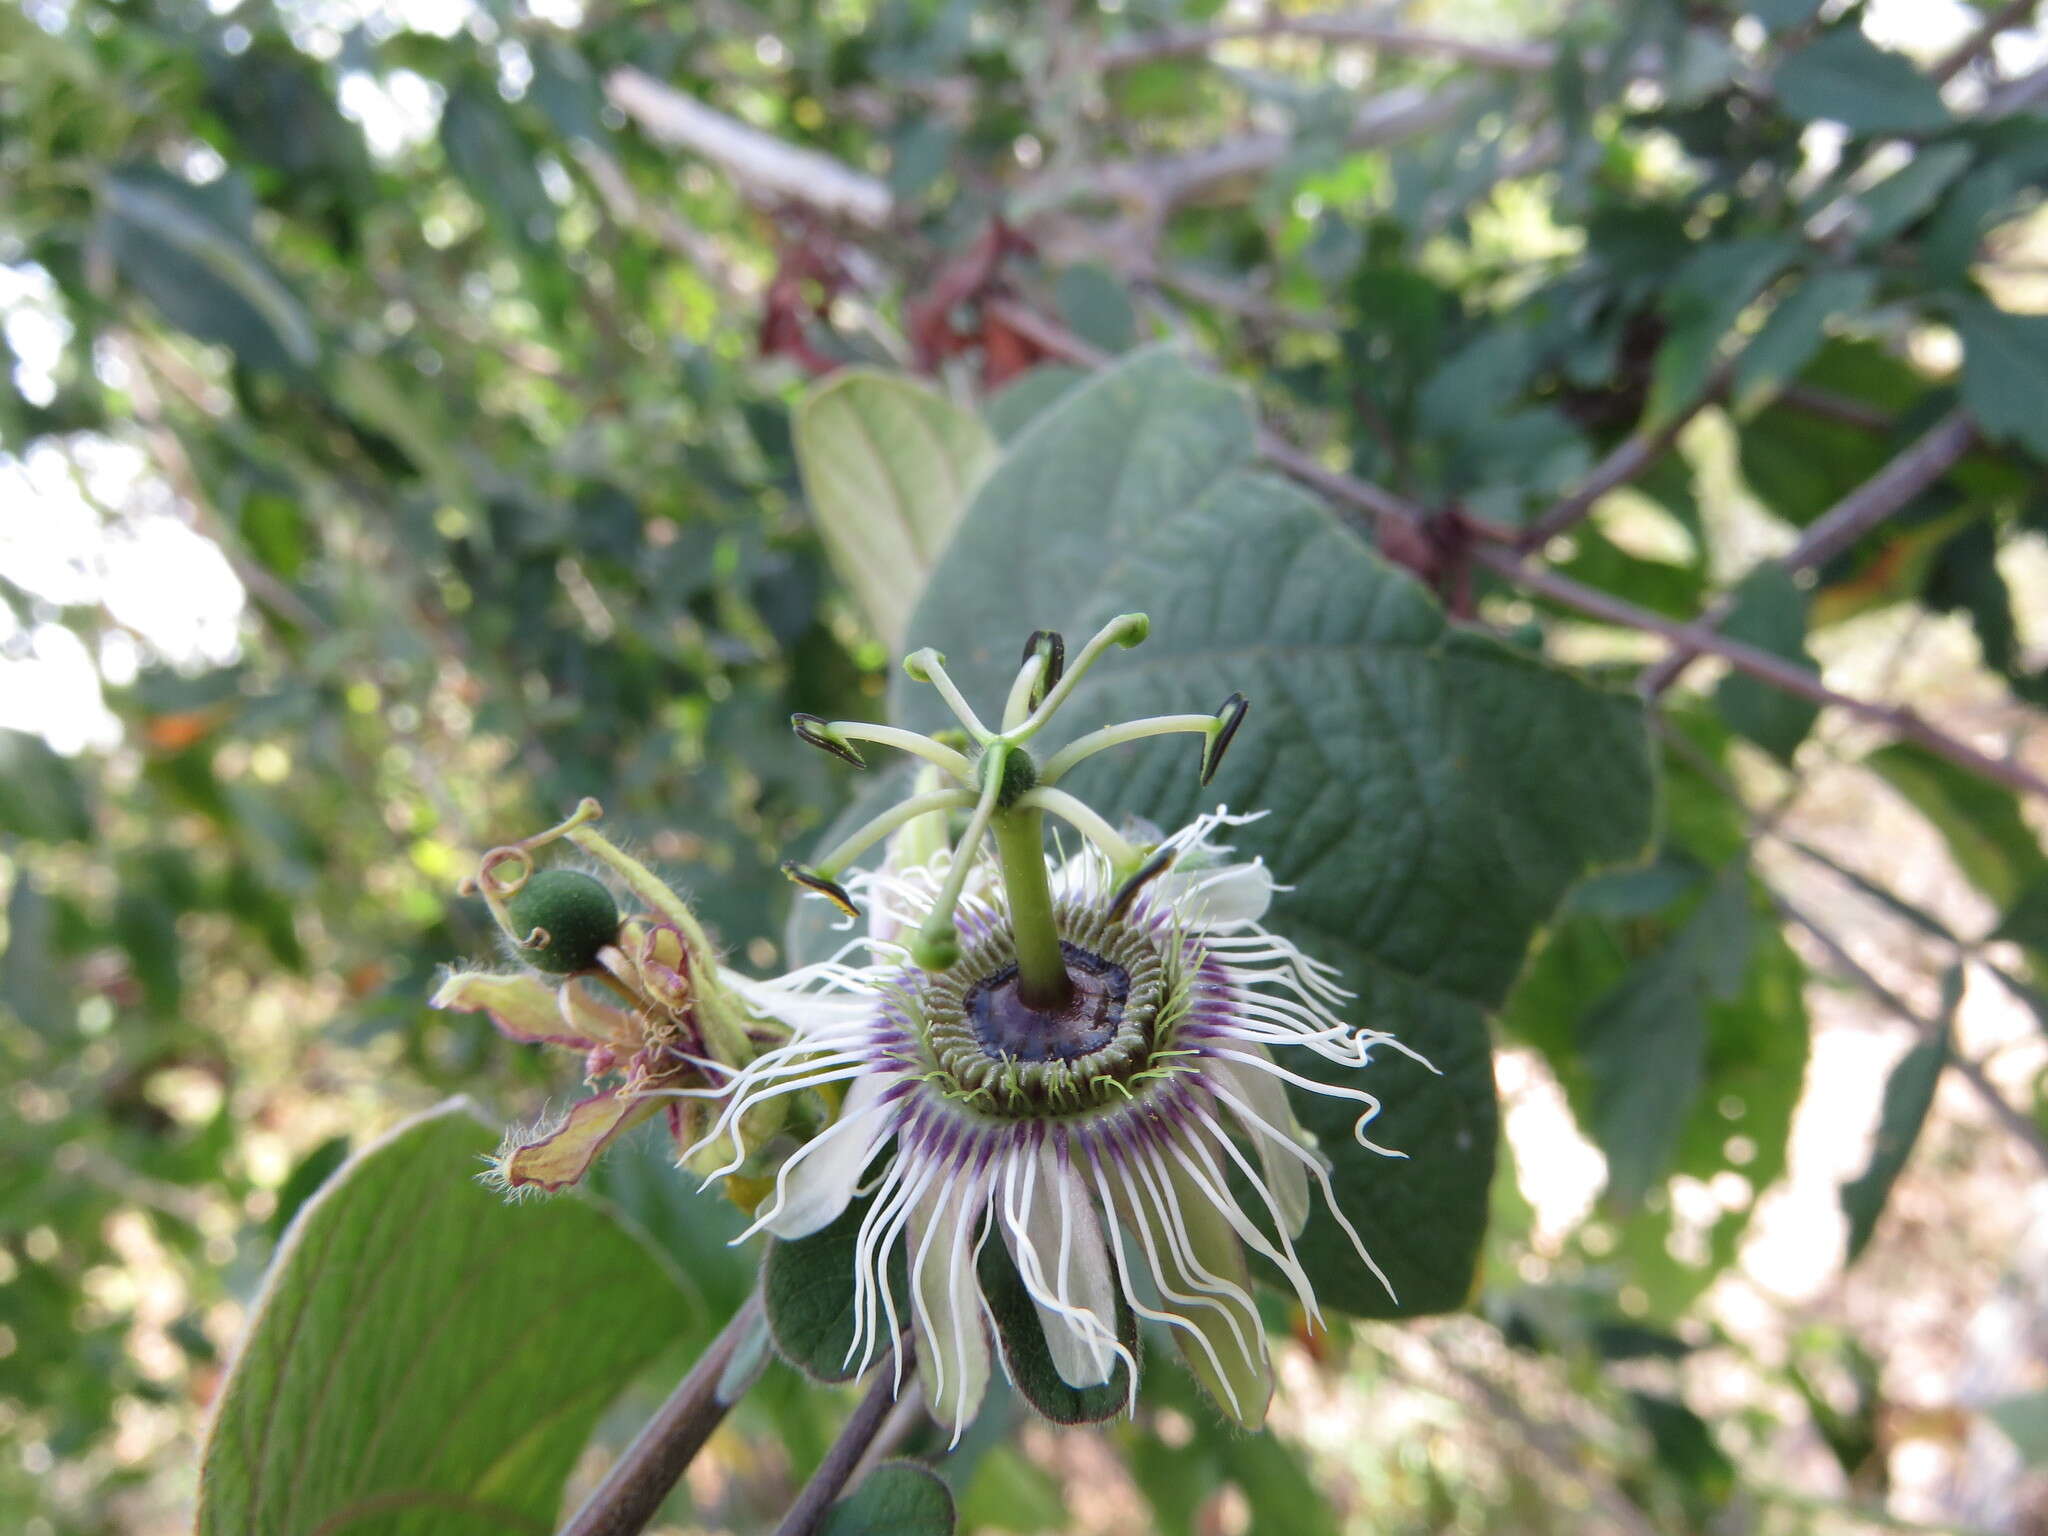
x,y
807,1284
1028,1361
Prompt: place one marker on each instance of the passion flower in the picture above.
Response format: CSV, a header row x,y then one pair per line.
x,y
1084,1059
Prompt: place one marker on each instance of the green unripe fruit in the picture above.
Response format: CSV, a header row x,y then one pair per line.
x,y
575,915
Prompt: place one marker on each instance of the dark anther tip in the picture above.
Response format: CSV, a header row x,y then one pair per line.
x,y
1231,712
831,890
1149,871
814,730
1055,661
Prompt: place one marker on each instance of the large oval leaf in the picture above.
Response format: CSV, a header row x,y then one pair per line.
x,y
888,466
1432,793
427,1360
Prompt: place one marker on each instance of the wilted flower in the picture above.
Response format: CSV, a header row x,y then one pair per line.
x,y
1078,1062
643,999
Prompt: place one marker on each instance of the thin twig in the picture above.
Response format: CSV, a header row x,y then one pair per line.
x,y
2022,1126
903,1419
758,160
1158,184
633,1491
1376,33
1363,494
1636,453
1787,677
846,1452
1918,466
1978,41
1829,406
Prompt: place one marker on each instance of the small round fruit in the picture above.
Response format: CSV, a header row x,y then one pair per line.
x,y
575,916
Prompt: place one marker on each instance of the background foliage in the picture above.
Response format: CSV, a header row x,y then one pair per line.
x,y
398,446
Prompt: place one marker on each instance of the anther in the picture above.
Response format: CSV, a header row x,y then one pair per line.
x,y
1055,661
831,890
1231,713
1149,871
816,731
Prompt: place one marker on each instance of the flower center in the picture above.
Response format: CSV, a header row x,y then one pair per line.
x,y
990,1050
1006,1025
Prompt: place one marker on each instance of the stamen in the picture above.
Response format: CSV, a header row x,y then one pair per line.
x,y
817,731
928,666
1229,716
934,752
1149,871
860,841
1083,818
1126,630
1084,747
938,942
1052,645
1027,688
824,885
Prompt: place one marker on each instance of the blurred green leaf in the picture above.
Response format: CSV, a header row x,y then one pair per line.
x,y
1703,299
1007,1492
189,250
485,148
1842,76
2005,369
1909,192
1769,612
42,796
33,986
1793,334
898,1498
489,1336
1908,1094
1980,821
1644,1043
2024,1421
1094,303
889,467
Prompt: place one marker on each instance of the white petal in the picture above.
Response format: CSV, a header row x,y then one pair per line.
x,y
1266,1096
818,1182
804,1011
1049,1225
952,1342
1219,897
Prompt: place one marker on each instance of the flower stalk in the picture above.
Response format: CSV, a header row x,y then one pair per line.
x,y
1042,976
